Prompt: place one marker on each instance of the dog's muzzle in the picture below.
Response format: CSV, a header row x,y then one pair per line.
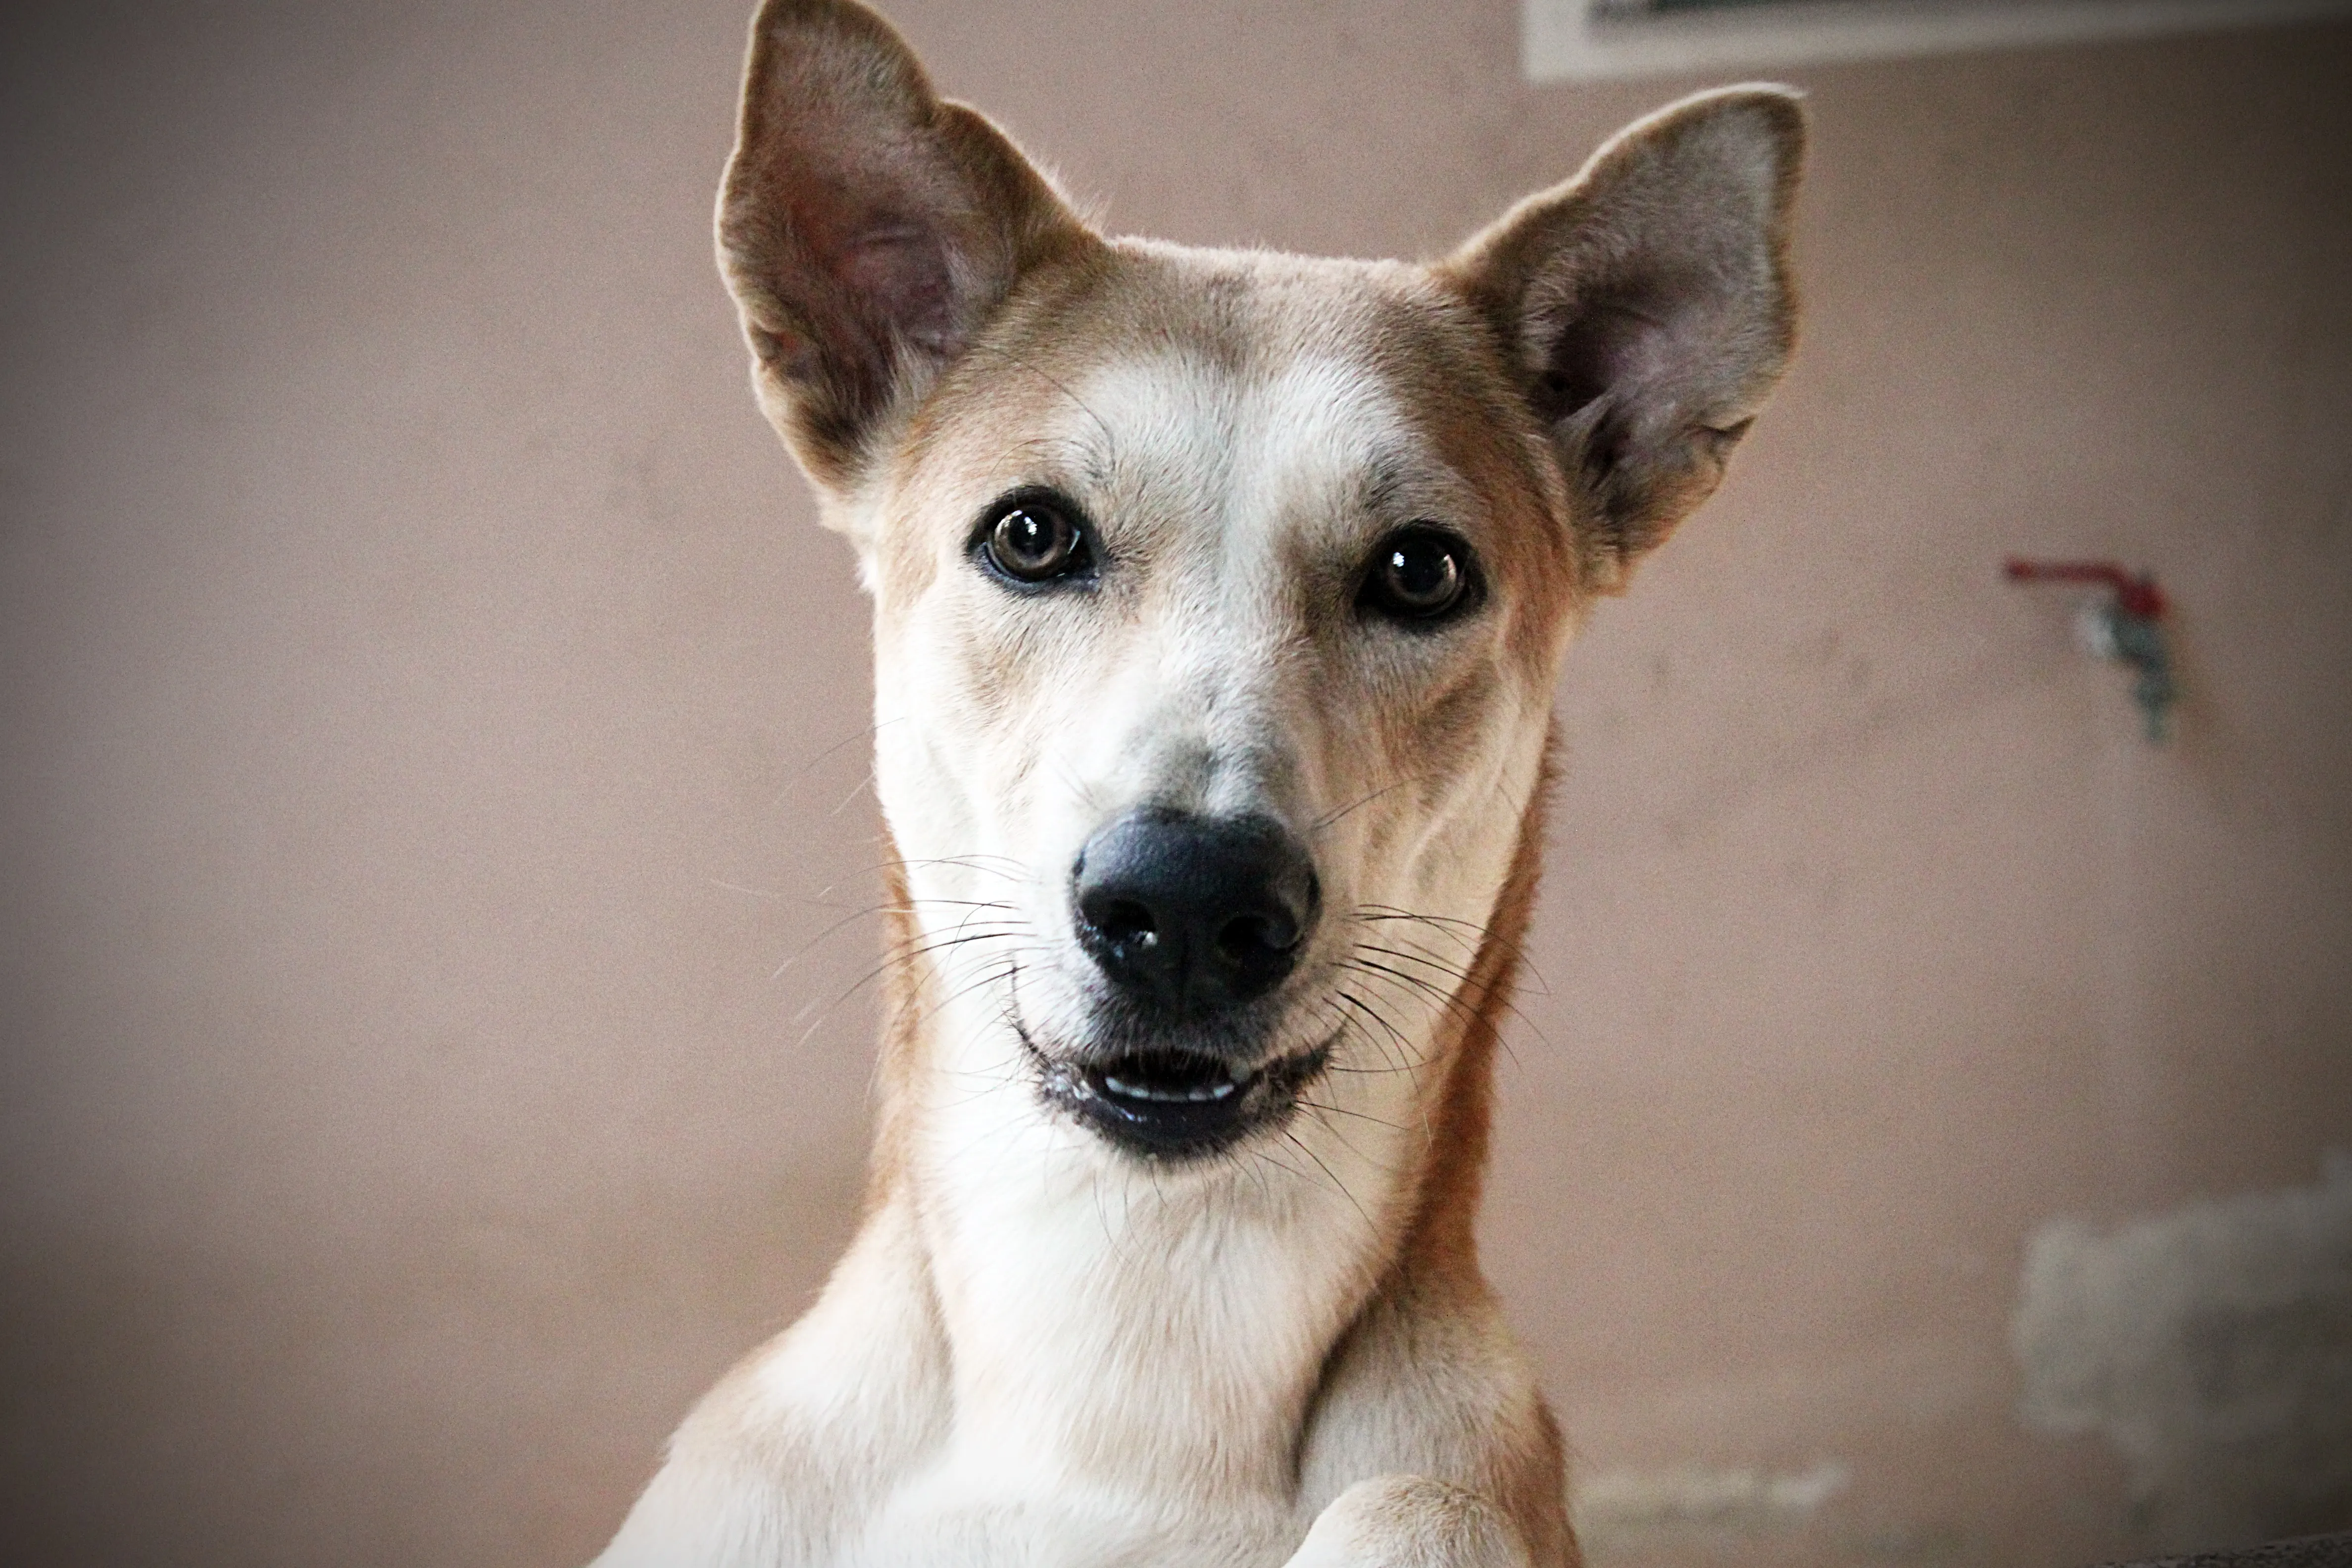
x,y
1193,922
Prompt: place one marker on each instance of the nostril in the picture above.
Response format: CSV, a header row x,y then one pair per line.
x,y
1123,921
1252,938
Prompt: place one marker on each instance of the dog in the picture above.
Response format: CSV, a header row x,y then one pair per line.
x,y
1219,598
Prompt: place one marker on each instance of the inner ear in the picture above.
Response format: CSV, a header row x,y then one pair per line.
x,y
1646,306
1601,347
867,227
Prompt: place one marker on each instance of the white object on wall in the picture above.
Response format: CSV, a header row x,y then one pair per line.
x,y
1584,40
2212,1347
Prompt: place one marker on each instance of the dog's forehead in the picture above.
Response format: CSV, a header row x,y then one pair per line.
x,y
1306,446
1217,371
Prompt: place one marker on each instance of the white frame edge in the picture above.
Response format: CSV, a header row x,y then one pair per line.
x,y
1559,42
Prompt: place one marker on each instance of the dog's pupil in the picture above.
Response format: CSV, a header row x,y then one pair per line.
x,y
1031,540
1422,574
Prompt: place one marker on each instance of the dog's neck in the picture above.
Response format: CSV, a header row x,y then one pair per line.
x,y
1108,1318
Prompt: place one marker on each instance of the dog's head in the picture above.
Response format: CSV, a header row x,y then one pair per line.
x,y
1220,596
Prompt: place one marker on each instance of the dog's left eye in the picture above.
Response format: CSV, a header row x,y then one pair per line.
x,y
1034,539
1419,573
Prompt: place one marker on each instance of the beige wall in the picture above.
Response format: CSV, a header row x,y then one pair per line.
x,y
434,731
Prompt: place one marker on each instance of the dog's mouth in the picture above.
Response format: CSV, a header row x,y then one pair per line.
x,y
1175,1104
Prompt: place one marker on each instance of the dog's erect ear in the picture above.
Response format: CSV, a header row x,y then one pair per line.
x,y
1647,306
865,228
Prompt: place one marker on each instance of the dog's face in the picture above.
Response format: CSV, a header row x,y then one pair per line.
x,y
1219,602
1220,597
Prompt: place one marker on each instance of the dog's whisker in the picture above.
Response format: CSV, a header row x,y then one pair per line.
x,y
900,954
846,741
1011,866
1469,935
1500,990
1337,1185
1321,824
1404,1059
866,784
922,947
1012,970
869,912
1452,972
766,894
910,905
1452,1000
1497,992
1331,1109
1384,1171
1445,999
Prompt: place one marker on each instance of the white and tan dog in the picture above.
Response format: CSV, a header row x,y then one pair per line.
x,y
1219,598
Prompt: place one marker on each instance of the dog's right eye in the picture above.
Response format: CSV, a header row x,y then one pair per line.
x,y
1419,573
1032,539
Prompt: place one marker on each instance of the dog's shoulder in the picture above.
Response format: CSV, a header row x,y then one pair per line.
x,y
794,1449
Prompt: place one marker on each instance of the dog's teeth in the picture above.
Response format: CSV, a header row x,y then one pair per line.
x,y
1205,1092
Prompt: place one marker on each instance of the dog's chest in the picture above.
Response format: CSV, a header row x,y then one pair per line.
x,y
1130,1358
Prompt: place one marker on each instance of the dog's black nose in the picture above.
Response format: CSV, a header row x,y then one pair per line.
x,y
1194,913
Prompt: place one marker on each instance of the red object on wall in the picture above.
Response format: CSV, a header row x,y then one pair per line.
x,y
2135,595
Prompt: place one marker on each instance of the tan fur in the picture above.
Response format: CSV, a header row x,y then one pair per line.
x,y
1042,1348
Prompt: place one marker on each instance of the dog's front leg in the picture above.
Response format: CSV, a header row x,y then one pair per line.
x,y
1411,1521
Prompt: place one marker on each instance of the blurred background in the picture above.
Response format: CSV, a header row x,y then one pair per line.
x,y
434,829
